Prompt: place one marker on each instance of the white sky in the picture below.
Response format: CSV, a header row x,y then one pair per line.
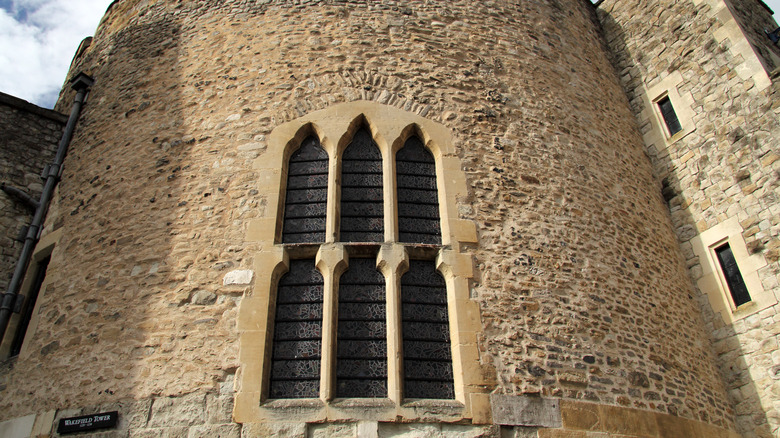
x,y
38,39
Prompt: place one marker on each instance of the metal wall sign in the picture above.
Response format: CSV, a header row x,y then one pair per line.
x,y
85,423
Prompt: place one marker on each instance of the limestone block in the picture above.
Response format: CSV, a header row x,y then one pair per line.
x,y
291,430
219,408
481,412
18,427
187,410
162,432
628,421
240,276
215,431
511,410
43,424
580,416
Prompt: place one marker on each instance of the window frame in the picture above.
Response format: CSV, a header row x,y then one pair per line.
x,y
711,280
335,127
655,131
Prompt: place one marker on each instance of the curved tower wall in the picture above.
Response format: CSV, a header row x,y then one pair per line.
x,y
717,66
566,286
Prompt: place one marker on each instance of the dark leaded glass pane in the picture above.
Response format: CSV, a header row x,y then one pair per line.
x,y
307,194
359,388
424,389
304,388
427,350
361,368
298,312
296,350
362,292
426,334
416,180
669,115
734,278
295,361
406,209
362,201
298,211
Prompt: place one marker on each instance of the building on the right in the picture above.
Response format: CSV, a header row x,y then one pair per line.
x,y
702,80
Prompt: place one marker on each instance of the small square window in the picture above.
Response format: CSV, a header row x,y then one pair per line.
x,y
670,117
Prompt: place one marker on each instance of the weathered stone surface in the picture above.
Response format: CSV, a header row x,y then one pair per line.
x,y
724,168
28,137
511,410
180,411
577,270
241,276
215,431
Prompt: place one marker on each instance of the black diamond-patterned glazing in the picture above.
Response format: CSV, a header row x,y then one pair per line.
x,y
307,194
417,194
361,358
362,200
426,334
297,349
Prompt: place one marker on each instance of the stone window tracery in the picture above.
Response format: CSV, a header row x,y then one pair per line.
x,y
397,323
361,347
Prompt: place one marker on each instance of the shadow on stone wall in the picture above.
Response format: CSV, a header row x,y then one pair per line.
x,y
750,418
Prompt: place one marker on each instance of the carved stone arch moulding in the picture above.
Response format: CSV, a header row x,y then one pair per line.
x,y
390,129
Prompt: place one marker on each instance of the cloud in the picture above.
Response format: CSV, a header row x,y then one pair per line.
x,y
38,39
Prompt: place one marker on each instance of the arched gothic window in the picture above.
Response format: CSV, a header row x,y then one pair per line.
x,y
418,197
361,334
297,346
362,200
307,194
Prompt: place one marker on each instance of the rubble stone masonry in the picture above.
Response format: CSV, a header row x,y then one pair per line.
x,y
577,276
28,141
720,175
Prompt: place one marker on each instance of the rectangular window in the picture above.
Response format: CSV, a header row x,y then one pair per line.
x,y
670,117
728,264
29,306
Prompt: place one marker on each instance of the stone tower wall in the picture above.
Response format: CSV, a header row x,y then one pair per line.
x,y
29,137
578,285
720,173
28,141
755,19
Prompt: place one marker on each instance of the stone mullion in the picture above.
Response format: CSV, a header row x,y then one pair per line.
x,y
331,262
332,208
389,191
393,262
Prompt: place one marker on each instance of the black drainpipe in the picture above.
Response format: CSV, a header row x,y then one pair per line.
x,y
51,173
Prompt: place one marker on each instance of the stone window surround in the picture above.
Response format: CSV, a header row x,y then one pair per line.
x,y
390,128
42,250
712,281
683,105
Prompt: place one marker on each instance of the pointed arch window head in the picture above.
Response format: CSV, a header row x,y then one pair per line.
x,y
417,194
307,194
362,200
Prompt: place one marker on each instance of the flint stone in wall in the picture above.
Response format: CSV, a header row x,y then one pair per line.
x,y
203,298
